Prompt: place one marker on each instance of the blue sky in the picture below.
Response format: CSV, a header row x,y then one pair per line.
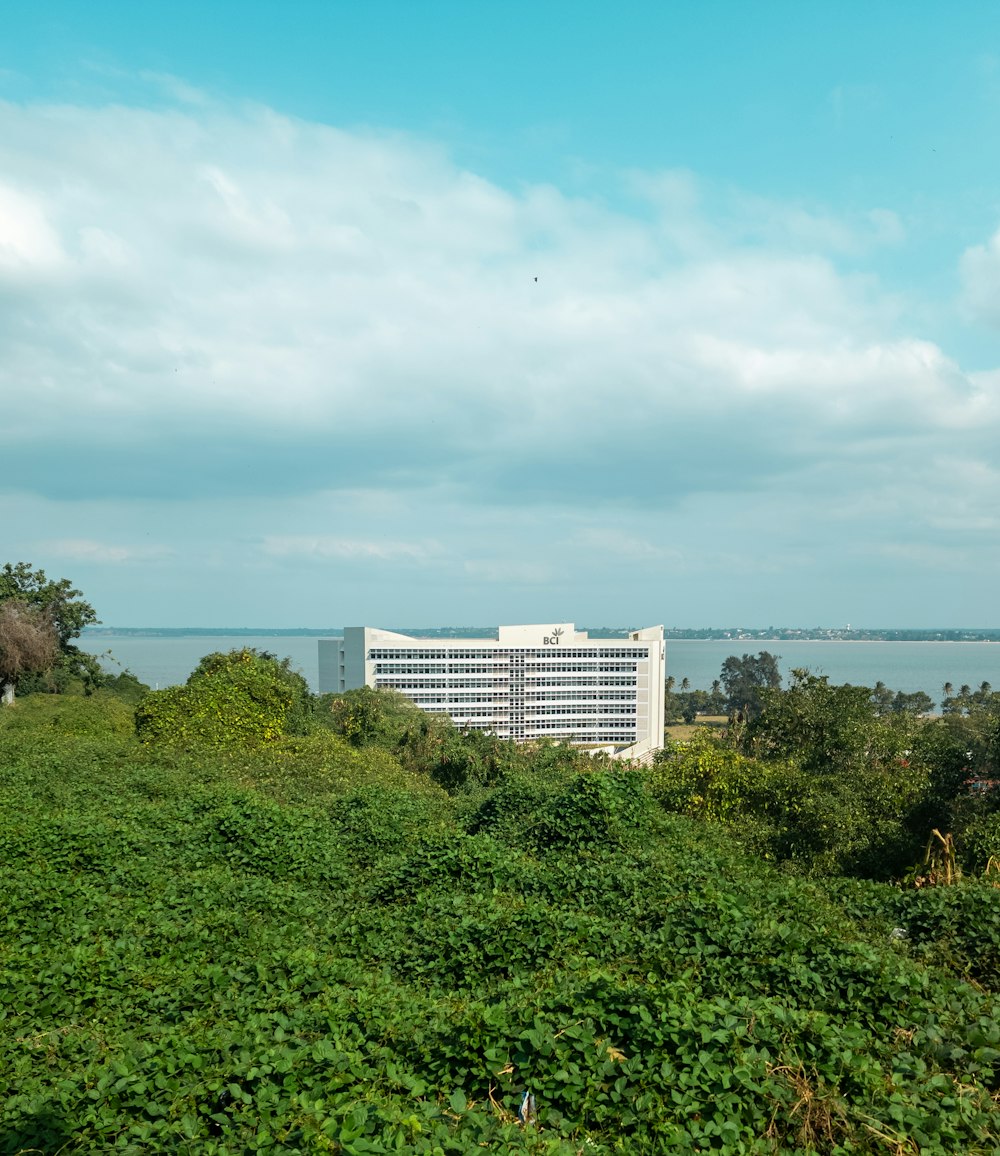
x,y
273,351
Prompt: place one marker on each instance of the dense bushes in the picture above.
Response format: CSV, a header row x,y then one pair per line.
x,y
828,781
242,698
870,822
308,947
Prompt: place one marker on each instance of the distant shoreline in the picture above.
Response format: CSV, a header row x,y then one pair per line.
x,y
211,632
836,641
962,635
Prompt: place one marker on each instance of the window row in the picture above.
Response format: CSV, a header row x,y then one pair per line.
x,y
601,667
609,708
588,695
581,680
435,676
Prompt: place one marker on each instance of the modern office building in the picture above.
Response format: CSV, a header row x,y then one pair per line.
x,y
529,682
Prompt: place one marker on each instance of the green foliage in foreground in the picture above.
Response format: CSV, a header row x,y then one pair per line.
x,y
828,781
870,820
309,948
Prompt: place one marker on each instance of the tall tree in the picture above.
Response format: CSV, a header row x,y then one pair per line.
x,y
64,609
828,729
716,700
917,702
882,698
28,644
744,679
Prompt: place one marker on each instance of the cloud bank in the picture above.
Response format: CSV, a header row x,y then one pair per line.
x,y
370,357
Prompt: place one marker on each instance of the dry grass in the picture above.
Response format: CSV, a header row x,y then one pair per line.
x,y
816,1115
681,732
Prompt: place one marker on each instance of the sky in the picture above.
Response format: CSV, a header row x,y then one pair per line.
x,y
327,313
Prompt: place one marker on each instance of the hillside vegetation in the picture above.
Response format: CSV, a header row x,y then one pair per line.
x,y
354,929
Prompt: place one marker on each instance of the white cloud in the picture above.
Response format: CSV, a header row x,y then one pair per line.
x,y
176,88
28,243
207,304
980,273
88,550
251,271
304,546
521,572
613,541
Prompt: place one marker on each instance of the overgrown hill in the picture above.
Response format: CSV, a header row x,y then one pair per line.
x,y
310,948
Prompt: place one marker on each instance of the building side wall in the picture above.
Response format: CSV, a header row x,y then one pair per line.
x,y
355,667
331,666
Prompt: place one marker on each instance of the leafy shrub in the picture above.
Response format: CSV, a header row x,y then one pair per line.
x,y
601,809
255,667
101,715
242,698
975,819
125,686
321,766
369,715
589,809
513,809
445,859
262,836
851,822
979,841
958,926
372,822
705,778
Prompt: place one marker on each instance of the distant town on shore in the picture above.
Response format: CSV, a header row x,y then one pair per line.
x,y
733,633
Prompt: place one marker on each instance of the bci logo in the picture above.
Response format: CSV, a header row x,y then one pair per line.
x,y
553,638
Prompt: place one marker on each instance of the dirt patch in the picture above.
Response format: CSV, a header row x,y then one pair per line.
x,y
681,732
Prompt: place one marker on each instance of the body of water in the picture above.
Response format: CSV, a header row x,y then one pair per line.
x,y
907,666
165,660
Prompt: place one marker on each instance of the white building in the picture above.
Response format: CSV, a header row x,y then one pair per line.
x,y
530,682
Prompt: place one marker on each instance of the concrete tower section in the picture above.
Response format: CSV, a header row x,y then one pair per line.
x,y
529,682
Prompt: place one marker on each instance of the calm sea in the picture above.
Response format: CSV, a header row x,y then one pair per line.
x,y
907,666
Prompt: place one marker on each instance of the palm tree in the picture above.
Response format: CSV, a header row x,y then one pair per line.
x,y
882,697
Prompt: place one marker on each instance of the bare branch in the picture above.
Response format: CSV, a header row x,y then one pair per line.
x,y
28,640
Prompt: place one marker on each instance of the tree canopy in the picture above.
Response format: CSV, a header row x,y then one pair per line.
x,y
28,644
745,678
64,604
41,618
243,697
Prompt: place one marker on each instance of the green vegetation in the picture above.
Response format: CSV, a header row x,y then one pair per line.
x,y
309,945
242,698
747,679
39,618
241,919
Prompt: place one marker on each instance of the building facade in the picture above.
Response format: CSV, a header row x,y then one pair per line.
x,y
529,682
